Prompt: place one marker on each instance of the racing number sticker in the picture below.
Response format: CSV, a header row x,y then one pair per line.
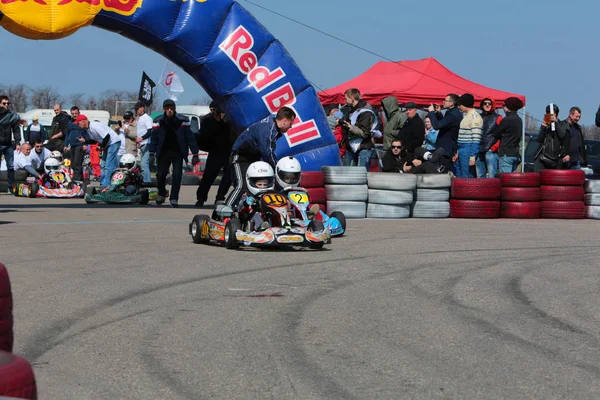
x,y
204,233
118,176
274,199
299,198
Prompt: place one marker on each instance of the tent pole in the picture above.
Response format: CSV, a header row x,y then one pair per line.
x,y
523,141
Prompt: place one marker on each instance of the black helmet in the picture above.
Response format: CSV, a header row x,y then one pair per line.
x,y
128,115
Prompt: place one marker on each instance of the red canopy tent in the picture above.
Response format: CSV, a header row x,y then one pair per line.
x,y
422,81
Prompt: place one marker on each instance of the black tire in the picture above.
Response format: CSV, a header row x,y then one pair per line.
x,y
145,196
340,217
33,189
231,228
315,226
196,229
3,187
90,190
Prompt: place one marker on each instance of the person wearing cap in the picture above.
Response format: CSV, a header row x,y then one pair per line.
x,y
171,141
509,132
395,120
486,164
447,126
34,131
144,128
109,142
74,147
130,131
412,133
469,137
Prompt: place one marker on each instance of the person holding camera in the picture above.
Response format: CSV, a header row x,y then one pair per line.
x,y
447,126
562,141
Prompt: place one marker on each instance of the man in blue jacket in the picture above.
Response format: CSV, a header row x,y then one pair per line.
x,y
257,142
447,126
171,137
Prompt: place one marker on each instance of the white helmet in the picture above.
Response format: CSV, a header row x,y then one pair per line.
x,y
128,162
51,165
288,172
57,155
260,174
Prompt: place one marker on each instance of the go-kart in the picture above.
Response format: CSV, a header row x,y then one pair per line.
x,y
56,185
120,191
233,232
300,201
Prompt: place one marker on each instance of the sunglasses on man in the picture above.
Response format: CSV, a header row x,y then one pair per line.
x,y
397,147
5,103
487,103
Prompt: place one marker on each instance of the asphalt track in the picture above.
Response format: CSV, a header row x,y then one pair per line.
x,y
118,303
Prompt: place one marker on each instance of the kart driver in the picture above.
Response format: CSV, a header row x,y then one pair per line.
x,y
259,179
288,173
133,174
64,168
52,166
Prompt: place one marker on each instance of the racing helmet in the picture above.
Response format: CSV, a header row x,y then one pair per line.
x,y
57,155
258,174
288,172
128,162
51,165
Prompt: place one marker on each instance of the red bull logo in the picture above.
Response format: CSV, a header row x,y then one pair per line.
x,y
53,19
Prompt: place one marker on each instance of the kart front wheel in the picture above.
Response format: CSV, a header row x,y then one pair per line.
x,y
316,226
340,217
33,189
145,197
231,228
196,228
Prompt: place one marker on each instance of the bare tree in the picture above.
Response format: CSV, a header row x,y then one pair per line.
x,y
109,98
45,97
590,132
90,104
204,101
17,95
76,99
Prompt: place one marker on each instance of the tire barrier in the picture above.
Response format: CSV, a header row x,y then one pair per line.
x,y
521,210
563,209
521,195
388,211
592,199
390,195
6,311
563,194
346,190
309,180
431,209
475,198
16,377
432,196
562,177
474,208
317,195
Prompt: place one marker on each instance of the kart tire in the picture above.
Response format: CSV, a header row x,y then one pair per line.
x,y
433,195
392,197
518,179
312,180
20,175
196,228
91,190
351,209
33,189
388,211
3,176
521,194
231,228
16,377
434,181
562,177
344,175
431,209
347,192
391,181
315,226
6,312
563,193
476,189
474,208
521,210
563,209
592,212
592,186
592,199
340,217
317,195
144,196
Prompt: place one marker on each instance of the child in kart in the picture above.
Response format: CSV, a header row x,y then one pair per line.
x,y
288,174
259,179
66,169
54,176
133,175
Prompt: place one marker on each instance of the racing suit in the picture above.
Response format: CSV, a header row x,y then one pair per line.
x,y
246,208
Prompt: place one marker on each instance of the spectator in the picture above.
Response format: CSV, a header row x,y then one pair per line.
x,y
447,126
108,141
35,131
396,159
487,159
469,137
574,141
358,126
144,127
75,146
9,130
23,160
412,133
509,132
58,129
39,156
430,135
552,138
123,147
171,138
220,138
395,120
338,132
130,129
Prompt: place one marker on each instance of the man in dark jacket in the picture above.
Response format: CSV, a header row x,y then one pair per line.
x,y
395,120
412,133
34,132
359,124
9,129
171,137
75,146
574,144
486,164
58,130
396,159
552,139
447,126
509,132
257,141
217,135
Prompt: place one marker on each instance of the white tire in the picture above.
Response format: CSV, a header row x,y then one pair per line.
x,y
345,175
592,199
351,209
592,212
592,186
391,181
434,181
394,197
347,192
433,194
431,209
387,211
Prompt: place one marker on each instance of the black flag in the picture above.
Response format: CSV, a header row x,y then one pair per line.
x,y
146,89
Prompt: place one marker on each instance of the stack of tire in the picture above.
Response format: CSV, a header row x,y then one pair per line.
x,y
563,194
315,187
346,190
475,198
16,375
592,199
521,195
390,195
20,177
432,196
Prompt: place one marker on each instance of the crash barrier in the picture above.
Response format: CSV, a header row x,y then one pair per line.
x,y
16,375
521,195
346,190
592,199
20,177
475,198
563,194
315,186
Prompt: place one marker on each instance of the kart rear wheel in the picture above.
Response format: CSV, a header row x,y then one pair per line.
x,y
33,189
315,226
145,196
340,217
90,190
196,228
231,228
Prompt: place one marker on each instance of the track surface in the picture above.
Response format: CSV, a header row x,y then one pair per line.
x,y
408,309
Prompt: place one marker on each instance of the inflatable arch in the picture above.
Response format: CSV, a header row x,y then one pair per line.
x,y
220,44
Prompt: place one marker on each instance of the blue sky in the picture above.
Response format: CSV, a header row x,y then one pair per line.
x,y
542,49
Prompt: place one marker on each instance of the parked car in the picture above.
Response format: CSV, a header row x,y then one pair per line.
x,y
592,149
